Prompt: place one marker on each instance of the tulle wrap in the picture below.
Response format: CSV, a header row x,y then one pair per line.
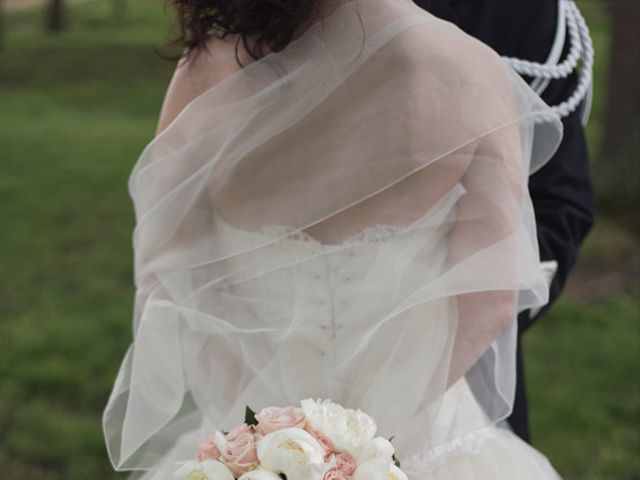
x,y
381,134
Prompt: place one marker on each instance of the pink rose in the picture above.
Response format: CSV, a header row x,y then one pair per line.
x,y
325,442
208,450
345,463
239,454
258,436
271,419
239,430
335,474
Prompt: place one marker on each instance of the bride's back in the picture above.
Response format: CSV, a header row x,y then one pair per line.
x,y
416,60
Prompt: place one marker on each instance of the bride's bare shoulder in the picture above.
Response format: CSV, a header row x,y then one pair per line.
x,y
196,74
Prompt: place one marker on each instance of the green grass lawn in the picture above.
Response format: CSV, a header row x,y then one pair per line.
x,y
76,111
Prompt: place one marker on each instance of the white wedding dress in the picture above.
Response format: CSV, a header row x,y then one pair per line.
x,y
323,291
345,219
329,303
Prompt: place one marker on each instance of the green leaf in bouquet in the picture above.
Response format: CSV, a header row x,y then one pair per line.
x,y
250,416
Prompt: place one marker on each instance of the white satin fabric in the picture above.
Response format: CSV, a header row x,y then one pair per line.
x,y
345,219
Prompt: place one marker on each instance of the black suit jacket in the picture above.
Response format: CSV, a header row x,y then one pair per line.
x,y
562,191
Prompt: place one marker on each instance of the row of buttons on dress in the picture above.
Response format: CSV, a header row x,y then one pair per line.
x,y
330,280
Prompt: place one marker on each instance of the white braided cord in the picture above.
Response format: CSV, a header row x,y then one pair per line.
x,y
580,51
555,55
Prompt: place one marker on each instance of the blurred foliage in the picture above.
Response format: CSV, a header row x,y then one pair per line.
x,y
77,109
618,173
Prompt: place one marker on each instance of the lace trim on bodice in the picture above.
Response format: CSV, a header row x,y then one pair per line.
x,y
373,233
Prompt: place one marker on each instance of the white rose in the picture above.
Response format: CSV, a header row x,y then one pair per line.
x,y
207,470
294,452
382,448
376,461
396,474
260,474
349,430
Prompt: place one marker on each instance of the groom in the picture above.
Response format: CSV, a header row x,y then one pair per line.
x,y
561,191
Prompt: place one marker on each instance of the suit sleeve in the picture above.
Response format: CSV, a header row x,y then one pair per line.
x,y
562,190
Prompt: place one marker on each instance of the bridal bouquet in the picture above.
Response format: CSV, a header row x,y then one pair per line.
x,y
319,441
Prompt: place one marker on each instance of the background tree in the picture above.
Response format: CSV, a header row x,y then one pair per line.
x,y
2,26
618,168
55,16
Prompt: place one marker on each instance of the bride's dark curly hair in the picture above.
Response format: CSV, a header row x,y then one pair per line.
x,y
262,26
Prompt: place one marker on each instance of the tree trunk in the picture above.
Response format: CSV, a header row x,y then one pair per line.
x,y
618,165
55,16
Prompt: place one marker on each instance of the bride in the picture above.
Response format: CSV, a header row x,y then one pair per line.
x,y
335,206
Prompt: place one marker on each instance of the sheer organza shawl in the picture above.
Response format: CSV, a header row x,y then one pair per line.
x,y
381,118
